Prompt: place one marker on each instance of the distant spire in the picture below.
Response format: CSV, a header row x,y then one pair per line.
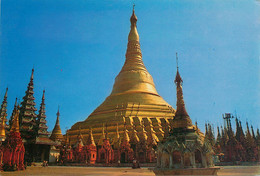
x,y
56,132
13,113
3,109
253,133
15,123
247,129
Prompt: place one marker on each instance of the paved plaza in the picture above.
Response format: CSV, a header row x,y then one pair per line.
x,y
124,171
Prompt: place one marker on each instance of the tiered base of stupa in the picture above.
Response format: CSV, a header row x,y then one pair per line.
x,y
187,171
129,114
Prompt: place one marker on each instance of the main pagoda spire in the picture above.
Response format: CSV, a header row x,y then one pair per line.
x,y
181,119
27,117
41,119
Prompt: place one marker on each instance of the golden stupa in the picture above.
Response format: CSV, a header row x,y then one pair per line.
x,y
133,102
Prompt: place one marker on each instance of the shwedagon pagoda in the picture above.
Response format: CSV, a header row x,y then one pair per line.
x,y
134,123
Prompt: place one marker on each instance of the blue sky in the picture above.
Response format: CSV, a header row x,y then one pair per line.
x,y
77,48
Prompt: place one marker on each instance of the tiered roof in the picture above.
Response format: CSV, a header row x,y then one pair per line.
x,y
27,117
41,120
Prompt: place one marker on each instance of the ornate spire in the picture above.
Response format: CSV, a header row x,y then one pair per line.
x,y
134,139
152,139
125,135
41,120
143,134
13,113
181,119
27,117
15,123
102,137
80,138
90,140
116,140
3,110
218,136
253,133
56,134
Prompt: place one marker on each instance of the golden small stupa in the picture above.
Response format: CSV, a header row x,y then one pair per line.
x,y
56,134
133,98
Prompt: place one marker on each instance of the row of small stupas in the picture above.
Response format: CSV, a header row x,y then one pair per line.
x,y
234,145
33,127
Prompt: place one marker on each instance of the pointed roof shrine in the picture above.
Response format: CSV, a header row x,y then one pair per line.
x,y
27,117
41,119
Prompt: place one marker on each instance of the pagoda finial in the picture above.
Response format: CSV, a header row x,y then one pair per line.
x,y
32,74
133,18
177,60
178,79
43,95
6,92
133,34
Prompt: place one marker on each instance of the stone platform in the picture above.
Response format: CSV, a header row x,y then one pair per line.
x,y
189,171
